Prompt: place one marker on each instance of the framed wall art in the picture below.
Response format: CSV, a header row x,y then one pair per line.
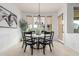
x,y
7,18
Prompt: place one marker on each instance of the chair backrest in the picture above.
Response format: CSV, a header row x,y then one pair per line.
x,y
33,32
28,35
47,35
42,31
52,35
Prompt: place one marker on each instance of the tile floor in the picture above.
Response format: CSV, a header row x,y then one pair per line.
x,y
58,50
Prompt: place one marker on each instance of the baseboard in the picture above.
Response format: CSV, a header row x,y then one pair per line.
x,y
62,42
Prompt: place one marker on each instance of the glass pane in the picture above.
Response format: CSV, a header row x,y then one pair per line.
x,y
42,21
29,19
76,20
49,23
35,21
30,22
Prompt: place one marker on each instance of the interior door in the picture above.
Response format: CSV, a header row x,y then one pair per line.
x,y
60,27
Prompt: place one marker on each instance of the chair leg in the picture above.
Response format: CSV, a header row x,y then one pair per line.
x,y
44,49
23,45
31,50
21,40
50,47
25,48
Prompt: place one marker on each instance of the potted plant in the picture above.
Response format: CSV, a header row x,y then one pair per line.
x,y
23,26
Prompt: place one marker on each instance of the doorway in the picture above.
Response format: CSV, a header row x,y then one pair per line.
x,y
60,27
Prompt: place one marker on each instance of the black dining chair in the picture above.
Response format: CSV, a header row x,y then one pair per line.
x,y
33,32
52,35
42,31
23,40
46,40
28,41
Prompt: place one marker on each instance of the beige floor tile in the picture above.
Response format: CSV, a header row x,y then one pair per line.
x,y
58,50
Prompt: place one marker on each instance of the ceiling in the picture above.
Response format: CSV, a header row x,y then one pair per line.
x,y
44,7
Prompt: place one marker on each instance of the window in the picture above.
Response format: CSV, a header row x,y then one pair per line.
x,y
49,23
30,22
29,19
34,22
76,20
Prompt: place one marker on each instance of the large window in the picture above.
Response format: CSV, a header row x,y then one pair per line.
x,y
45,22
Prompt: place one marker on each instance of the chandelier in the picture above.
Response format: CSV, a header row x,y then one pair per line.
x,y
39,9
38,22
39,14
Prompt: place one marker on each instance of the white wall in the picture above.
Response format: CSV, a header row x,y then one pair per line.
x,y
55,25
63,11
71,39
9,36
70,18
